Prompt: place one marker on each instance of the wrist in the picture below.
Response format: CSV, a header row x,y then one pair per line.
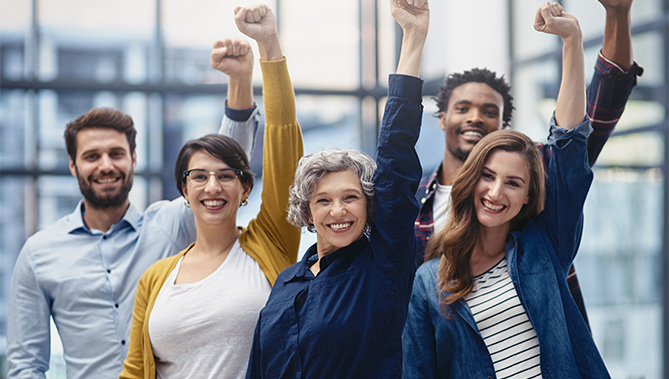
x,y
243,80
414,36
618,12
240,92
574,37
270,49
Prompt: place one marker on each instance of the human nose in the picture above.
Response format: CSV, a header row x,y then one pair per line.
x,y
495,190
474,116
106,163
212,184
338,209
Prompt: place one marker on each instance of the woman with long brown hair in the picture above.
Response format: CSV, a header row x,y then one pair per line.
x,y
493,300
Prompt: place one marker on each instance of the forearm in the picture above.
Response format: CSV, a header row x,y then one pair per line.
x,y
617,45
607,96
570,108
242,131
282,149
278,93
240,92
411,53
270,49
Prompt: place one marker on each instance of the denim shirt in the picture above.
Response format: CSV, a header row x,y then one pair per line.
x,y
538,257
347,321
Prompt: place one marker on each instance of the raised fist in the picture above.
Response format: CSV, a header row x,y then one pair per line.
x,y
232,57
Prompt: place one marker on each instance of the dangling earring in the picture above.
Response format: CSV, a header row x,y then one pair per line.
x,y
186,203
244,202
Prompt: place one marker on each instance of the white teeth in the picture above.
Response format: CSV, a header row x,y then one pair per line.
x,y
213,203
341,226
472,133
107,180
490,206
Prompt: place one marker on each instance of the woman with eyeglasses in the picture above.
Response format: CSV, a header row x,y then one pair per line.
x,y
195,313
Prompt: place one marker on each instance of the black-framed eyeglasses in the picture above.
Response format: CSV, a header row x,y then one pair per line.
x,y
200,176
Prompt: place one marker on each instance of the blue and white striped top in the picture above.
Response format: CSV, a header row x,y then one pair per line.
x,y
503,323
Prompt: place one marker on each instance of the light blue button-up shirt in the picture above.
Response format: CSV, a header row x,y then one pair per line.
x,y
86,280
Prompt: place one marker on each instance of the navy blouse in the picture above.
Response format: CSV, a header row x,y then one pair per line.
x,y
347,322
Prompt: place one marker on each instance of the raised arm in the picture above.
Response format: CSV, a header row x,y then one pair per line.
x,y
275,240
617,33
570,108
258,22
234,58
568,178
398,168
414,20
613,78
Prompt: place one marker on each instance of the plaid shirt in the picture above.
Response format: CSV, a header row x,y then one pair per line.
x,y
607,94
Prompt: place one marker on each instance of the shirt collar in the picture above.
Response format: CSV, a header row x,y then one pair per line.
x,y
76,219
303,271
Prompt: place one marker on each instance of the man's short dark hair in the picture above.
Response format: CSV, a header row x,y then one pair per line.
x,y
99,118
478,75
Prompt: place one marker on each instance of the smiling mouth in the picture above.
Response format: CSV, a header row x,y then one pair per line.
x,y
491,206
340,226
106,180
214,203
473,133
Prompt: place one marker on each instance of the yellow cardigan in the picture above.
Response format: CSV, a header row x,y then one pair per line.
x,y
269,238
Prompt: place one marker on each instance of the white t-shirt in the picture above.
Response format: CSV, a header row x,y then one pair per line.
x,y
205,329
441,206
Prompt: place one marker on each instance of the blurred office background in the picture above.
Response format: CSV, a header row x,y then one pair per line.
x,y
150,58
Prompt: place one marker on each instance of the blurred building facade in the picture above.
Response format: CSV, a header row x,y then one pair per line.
x,y
150,58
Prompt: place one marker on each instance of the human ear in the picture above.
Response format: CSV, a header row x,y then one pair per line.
x,y
442,121
73,168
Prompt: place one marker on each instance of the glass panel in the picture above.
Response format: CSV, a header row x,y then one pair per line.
x,y
13,131
15,207
639,149
322,49
528,42
88,18
98,41
188,117
57,197
14,27
650,52
432,140
189,33
14,16
329,121
535,91
620,269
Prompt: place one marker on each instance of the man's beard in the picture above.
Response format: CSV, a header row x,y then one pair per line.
x,y
458,153
104,201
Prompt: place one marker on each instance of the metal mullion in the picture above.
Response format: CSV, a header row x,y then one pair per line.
x,y
31,140
665,239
